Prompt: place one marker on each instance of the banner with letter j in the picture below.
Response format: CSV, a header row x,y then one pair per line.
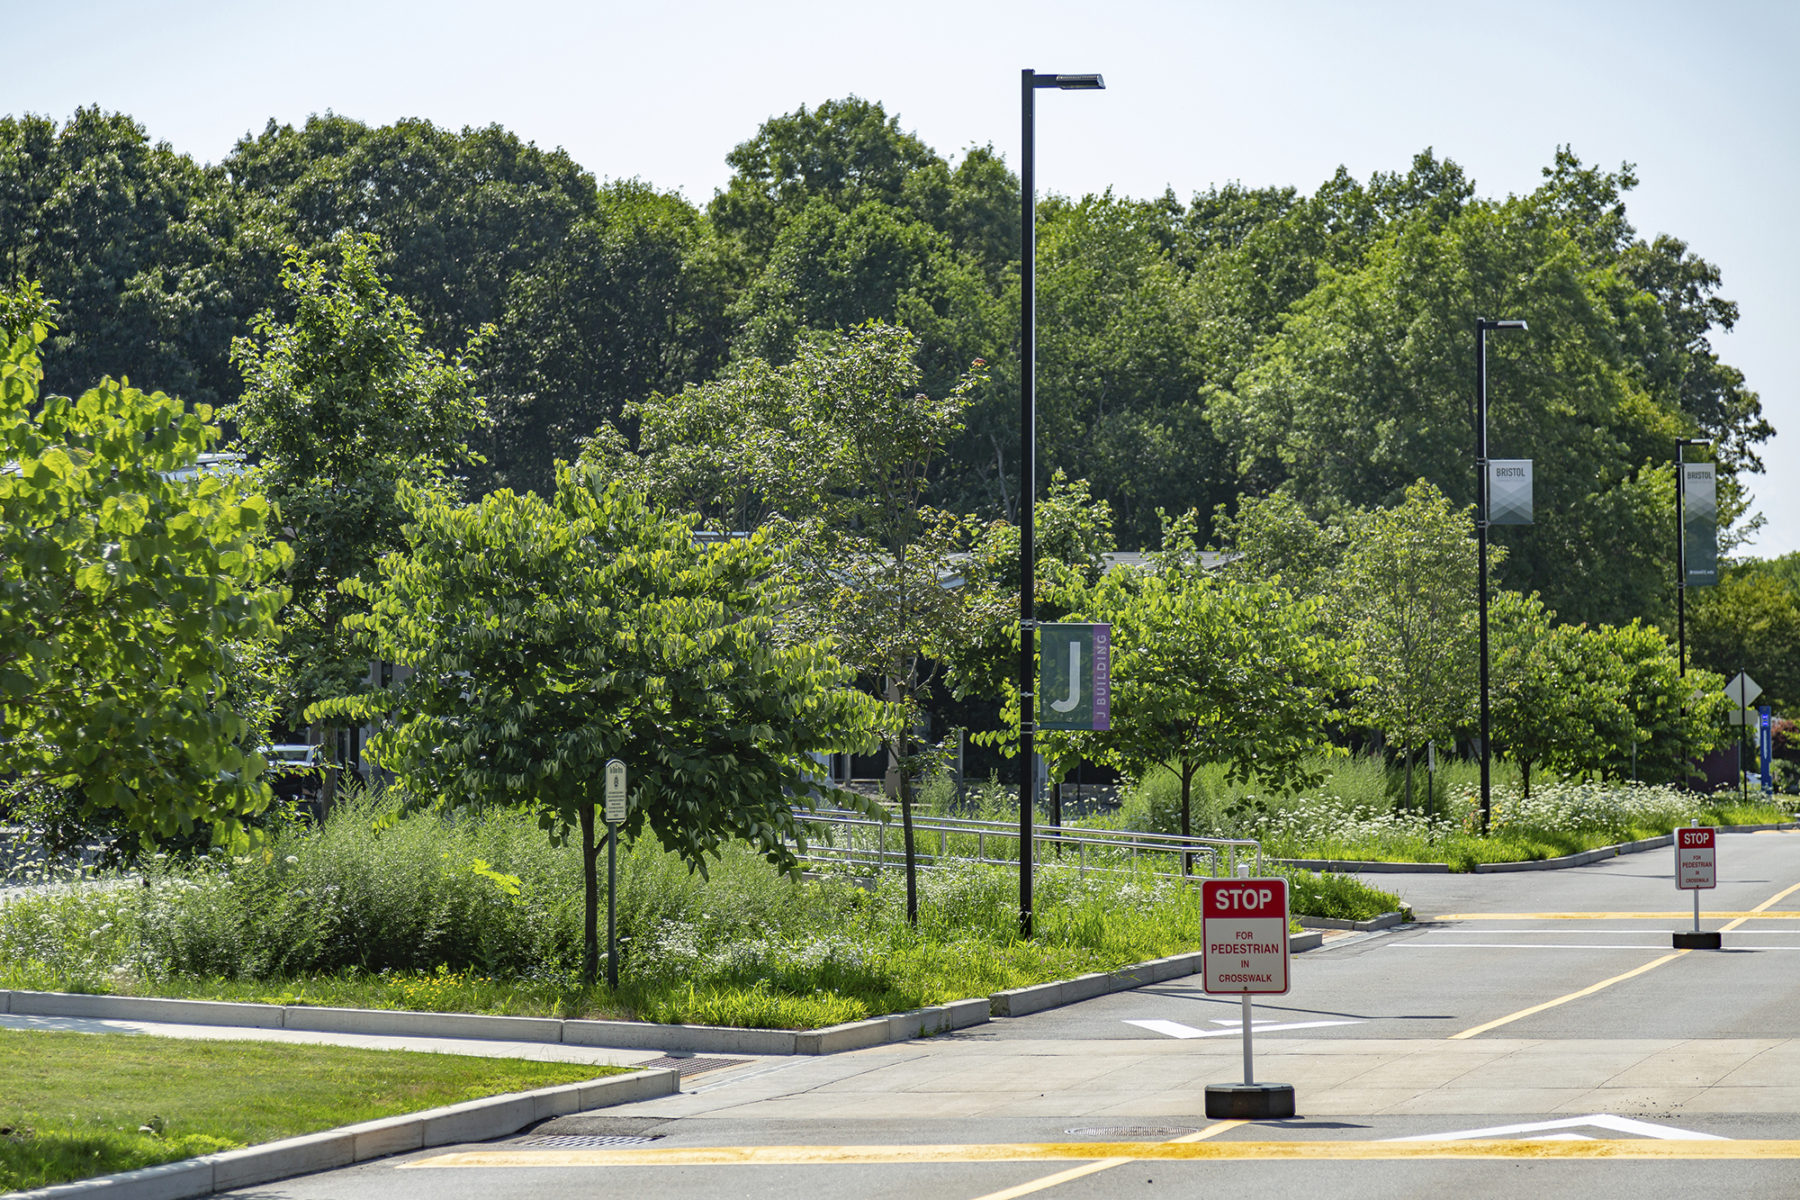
x,y
1074,676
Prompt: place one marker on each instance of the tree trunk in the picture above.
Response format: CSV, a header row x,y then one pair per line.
x,y
1409,780
1525,777
590,929
1187,819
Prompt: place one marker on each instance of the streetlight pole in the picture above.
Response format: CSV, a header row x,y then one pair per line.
x,y
1030,81
1482,325
1681,445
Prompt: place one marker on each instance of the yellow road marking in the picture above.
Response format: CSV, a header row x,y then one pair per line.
x,y
1586,991
1094,1168
795,1156
1760,913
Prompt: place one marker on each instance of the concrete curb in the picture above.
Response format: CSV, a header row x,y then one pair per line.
x,y
1359,867
1384,921
476,1120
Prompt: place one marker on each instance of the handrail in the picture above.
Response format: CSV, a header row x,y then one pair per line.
x,y
1103,846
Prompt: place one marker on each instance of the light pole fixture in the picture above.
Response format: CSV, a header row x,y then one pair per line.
x,y
1482,325
1681,445
1029,83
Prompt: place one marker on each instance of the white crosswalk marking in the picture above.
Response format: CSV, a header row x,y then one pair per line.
x,y
1176,1029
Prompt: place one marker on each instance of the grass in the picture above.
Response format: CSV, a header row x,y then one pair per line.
x,y
1358,814
74,1105
483,915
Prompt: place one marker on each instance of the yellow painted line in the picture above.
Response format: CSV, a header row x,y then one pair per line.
x,y
1094,1168
1760,914
799,1156
1761,911
1586,991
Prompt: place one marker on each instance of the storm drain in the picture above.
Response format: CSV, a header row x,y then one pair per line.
x,y
586,1141
692,1065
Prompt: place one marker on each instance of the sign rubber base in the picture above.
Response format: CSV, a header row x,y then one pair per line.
x,y
1249,1101
1690,939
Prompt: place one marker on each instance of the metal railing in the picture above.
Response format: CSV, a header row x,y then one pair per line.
x,y
841,838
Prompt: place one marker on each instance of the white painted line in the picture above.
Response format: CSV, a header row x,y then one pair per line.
x,y
1597,1120
1176,1029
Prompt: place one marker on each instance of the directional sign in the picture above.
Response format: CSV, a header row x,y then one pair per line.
x,y
1244,933
615,792
1743,690
1696,859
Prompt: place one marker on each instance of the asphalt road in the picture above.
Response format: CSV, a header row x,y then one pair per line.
x,y
1536,1029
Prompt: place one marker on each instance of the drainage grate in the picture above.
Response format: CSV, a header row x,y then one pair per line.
x,y
586,1141
692,1065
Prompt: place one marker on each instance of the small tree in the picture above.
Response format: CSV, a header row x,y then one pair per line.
x,y
545,639
127,595
1406,599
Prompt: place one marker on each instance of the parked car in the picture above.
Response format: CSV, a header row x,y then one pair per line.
x,y
294,771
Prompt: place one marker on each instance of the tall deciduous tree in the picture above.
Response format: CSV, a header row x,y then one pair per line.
x,y
127,589
341,406
832,452
545,639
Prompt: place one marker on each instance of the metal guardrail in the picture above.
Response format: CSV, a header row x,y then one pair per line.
x,y
838,837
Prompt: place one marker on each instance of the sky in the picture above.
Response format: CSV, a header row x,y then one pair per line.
x,y
1701,97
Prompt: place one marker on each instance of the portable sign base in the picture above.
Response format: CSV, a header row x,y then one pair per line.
x,y
1696,868
1244,936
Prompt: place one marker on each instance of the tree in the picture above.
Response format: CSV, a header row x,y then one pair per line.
x,y
340,407
1550,702
545,639
1205,669
128,591
1751,621
1406,601
833,454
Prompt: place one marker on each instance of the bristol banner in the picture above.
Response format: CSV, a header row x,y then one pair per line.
x,y
1509,491
1699,524
1074,676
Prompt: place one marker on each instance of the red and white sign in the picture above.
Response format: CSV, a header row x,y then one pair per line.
x,y
1696,858
1244,926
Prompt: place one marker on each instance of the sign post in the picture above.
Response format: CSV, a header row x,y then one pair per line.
x,y
1741,691
1244,936
1696,868
615,816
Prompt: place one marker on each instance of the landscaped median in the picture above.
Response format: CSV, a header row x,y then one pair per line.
x,y
177,1118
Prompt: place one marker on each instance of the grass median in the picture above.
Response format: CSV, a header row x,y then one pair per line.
x,y
75,1105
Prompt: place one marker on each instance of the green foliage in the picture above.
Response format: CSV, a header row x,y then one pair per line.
x,y
131,591
1751,622
342,407
1405,599
543,641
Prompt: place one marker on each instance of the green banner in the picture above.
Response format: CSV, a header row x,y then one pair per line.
x,y
1699,524
1074,676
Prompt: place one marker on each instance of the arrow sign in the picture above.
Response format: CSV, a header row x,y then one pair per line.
x,y
1743,690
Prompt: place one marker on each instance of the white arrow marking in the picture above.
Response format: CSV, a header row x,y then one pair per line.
x,y
1602,1120
1176,1029
1074,697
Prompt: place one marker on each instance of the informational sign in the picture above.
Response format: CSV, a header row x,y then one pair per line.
x,y
615,792
1765,744
1244,930
1699,524
1696,862
1509,491
1074,676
